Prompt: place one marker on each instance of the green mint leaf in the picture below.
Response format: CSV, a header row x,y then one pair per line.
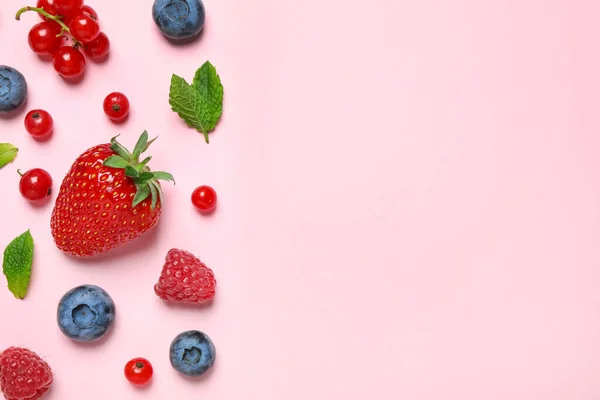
x,y
131,172
142,194
18,258
140,145
200,105
8,152
165,176
208,83
116,162
153,195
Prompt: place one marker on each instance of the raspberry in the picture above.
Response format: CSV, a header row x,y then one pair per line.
x,y
23,374
185,278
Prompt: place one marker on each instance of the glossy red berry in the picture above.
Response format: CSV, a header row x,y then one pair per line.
x,y
116,106
68,8
138,371
97,48
68,62
35,185
89,11
48,6
39,123
84,28
44,38
204,198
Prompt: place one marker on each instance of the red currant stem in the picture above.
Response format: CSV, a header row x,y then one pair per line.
x,y
19,172
55,18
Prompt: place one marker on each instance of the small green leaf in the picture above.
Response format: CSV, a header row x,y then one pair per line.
x,y
148,144
131,172
18,258
153,194
200,105
119,149
142,194
165,176
116,162
145,176
8,152
158,189
140,145
141,165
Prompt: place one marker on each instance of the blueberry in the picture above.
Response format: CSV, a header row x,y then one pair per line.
x,y
179,19
192,353
86,313
13,89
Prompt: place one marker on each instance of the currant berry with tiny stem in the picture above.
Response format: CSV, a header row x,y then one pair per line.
x,y
98,48
69,62
116,106
45,38
84,28
49,17
47,5
39,123
138,371
204,198
35,184
68,8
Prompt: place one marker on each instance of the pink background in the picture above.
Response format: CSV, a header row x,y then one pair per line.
x,y
408,198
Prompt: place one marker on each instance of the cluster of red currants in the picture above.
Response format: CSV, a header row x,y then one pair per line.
x,y
65,19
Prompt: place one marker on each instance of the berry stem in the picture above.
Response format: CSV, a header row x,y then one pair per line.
x,y
55,18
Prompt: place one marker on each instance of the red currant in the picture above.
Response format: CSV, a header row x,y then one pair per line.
x,y
97,48
84,28
39,123
89,11
138,371
35,185
204,198
68,8
48,6
116,106
69,62
44,38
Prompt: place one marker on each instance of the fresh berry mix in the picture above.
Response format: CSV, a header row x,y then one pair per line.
x,y
67,19
192,353
108,198
23,374
138,371
116,106
39,123
179,19
204,198
184,278
86,313
13,89
35,185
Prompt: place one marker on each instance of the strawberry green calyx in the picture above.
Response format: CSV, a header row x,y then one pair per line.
x,y
146,181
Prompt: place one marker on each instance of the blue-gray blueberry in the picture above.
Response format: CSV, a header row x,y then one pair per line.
x,y
13,89
86,313
179,19
192,353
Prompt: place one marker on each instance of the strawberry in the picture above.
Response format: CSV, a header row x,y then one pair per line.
x,y
108,198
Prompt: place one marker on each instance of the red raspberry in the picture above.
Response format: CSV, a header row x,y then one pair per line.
x,y
185,278
23,374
